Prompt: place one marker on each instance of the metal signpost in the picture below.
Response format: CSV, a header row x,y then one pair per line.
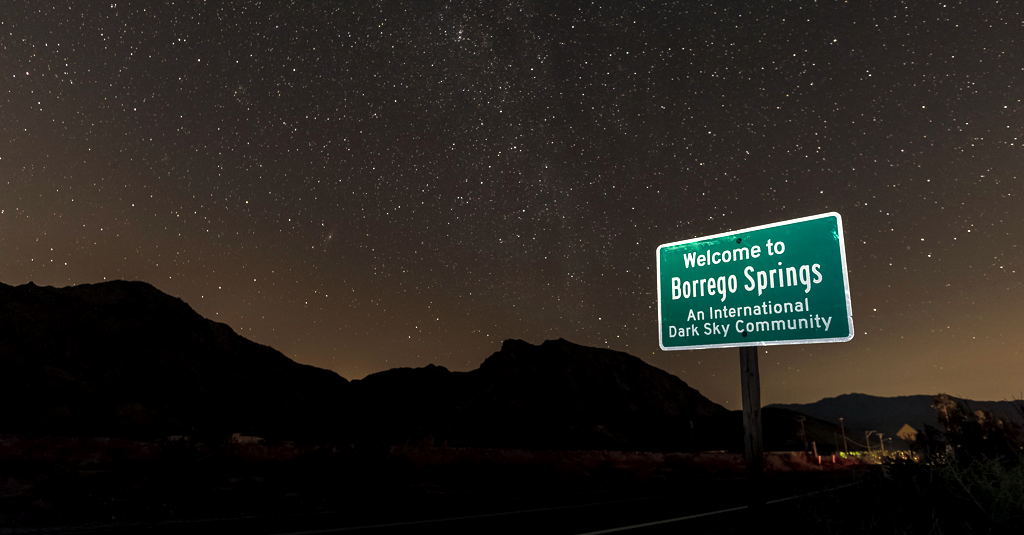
x,y
783,283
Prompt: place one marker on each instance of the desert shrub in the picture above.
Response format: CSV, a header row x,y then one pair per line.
x,y
971,434
968,478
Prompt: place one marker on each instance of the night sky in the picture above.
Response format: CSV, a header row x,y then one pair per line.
x,y
371,185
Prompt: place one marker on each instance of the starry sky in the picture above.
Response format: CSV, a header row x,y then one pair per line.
x,y
367,185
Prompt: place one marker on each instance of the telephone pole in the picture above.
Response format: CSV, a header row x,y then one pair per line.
x,y
803,432
843,427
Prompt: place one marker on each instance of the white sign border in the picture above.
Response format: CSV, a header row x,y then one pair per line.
x,y
846,285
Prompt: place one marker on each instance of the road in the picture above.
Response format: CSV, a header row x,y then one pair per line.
x,y
715,507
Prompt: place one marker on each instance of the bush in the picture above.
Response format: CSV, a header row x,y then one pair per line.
x,y
970,476
971,435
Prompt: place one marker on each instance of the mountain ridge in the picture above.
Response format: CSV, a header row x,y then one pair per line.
x,y
106,357
123,358
865,412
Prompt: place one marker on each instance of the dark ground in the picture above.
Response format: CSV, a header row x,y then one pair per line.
x,y
94,484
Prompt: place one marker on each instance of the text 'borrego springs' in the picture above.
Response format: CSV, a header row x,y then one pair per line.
x,y
783,276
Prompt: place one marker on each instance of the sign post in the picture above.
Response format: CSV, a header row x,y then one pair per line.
x,y
777,284
753,445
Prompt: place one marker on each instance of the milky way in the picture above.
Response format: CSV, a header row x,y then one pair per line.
x,y
371,185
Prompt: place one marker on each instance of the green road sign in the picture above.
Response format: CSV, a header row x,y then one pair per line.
x,y
783,283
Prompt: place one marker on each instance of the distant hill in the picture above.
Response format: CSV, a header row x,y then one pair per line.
x,y
560,395
556,395
862,412
124,359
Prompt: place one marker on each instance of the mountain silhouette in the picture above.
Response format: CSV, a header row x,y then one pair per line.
x,y
863,412
124,359
556,395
